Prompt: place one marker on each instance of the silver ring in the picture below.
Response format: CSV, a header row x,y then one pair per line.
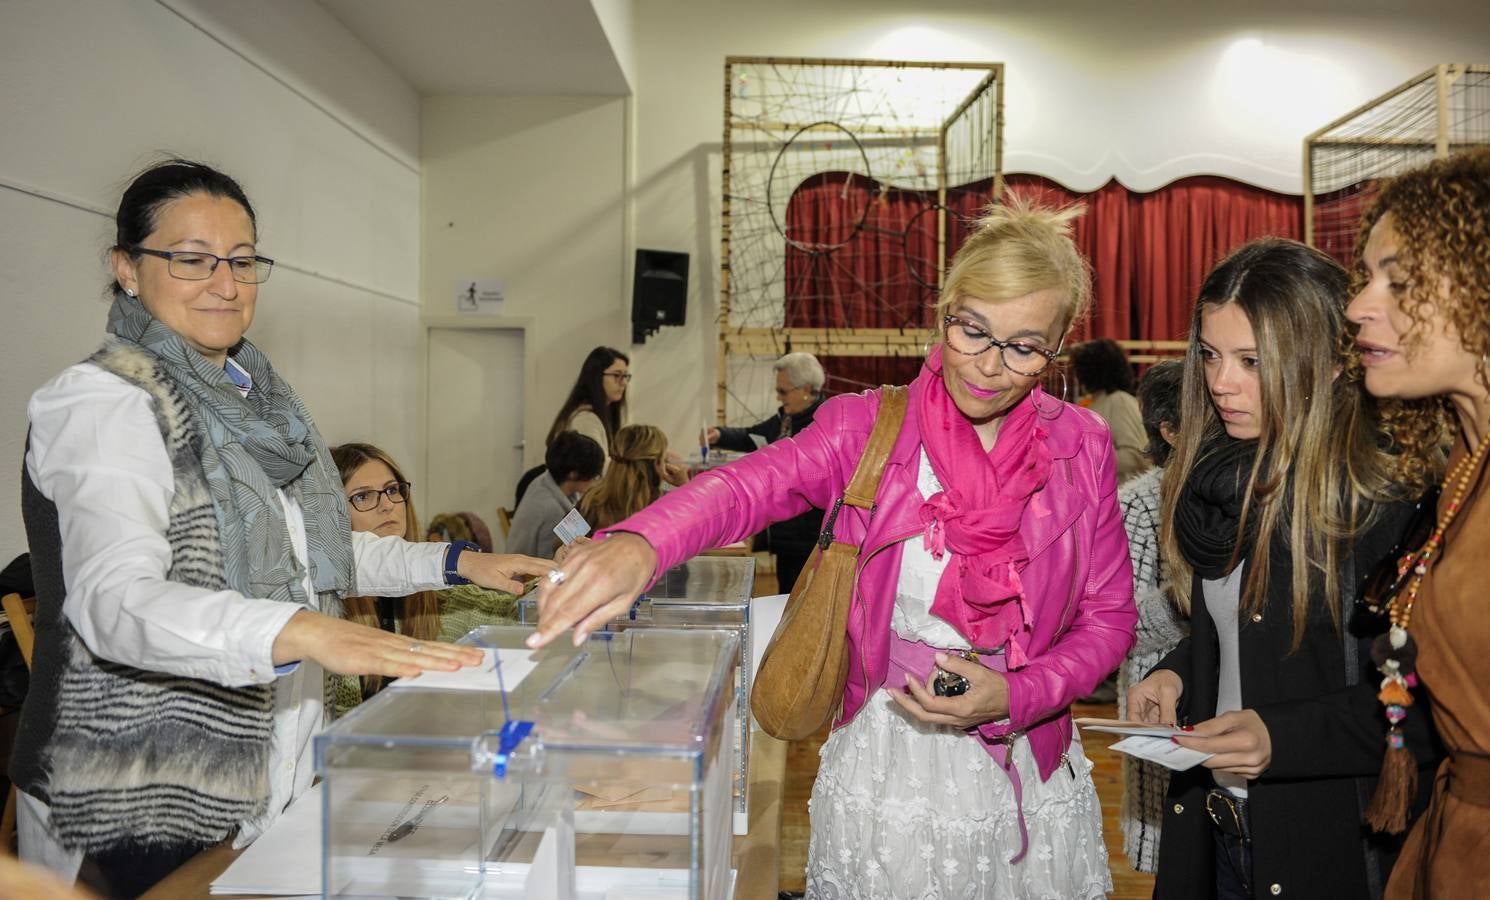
x,y
415,648
555,577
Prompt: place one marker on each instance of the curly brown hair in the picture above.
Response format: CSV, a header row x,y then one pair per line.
x,y
1441,213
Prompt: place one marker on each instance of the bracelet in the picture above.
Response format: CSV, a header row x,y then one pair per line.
x,y
452,557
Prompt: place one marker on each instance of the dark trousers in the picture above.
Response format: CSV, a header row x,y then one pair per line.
x,y
1233,866
131,871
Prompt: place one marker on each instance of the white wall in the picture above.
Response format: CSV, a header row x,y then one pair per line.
x,y
1142,92
528,191
324,138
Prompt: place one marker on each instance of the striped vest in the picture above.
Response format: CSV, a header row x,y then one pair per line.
x,y
127,757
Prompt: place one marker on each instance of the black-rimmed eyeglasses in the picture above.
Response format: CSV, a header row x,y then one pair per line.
x,y
195,265
367,501
1020,357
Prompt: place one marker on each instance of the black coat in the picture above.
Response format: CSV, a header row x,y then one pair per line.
x,y
1328,735
796,535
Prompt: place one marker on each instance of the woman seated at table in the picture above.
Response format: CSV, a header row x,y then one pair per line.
x,y
799,388
995,528
187,531
1106,378
639,466
571,466
596,405
382,503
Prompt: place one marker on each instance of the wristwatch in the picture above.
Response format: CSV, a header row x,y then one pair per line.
x,y
452,557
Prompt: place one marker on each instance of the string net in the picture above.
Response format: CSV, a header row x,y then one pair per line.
x,y
1348,163
841,178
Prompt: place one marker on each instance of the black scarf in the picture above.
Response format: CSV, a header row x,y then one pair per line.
x,y
1210,506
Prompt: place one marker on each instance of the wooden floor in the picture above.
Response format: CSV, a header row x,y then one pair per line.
x,y
801,769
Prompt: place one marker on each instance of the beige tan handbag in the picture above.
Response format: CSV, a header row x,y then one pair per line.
x,y
800,683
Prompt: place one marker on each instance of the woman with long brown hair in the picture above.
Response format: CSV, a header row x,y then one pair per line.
x,y
381,502
638,467
1423,310
596,405
1278,496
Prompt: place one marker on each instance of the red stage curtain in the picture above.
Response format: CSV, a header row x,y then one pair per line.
x,y
1148,252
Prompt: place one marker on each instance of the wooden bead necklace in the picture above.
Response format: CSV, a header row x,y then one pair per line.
x,y
1395,653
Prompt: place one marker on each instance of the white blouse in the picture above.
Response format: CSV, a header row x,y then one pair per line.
x,y
96,452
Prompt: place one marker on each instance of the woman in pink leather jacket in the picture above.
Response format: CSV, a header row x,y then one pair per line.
x,y
996,529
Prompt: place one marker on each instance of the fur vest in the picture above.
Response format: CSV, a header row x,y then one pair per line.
x,y
126,757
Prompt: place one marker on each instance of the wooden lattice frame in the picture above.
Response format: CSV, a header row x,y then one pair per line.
x,y
758,342
1443,77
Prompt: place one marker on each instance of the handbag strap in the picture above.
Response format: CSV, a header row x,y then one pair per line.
x,y
865,483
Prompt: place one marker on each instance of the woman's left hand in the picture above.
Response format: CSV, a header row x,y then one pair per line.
x,y
1239,739
501,571
986,699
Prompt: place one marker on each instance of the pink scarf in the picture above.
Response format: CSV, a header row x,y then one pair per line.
x,y
977,513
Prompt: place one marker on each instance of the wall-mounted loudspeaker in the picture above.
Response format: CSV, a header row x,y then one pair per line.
x,y
659,292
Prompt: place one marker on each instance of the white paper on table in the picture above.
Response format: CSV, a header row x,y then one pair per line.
x,y
516,664
1162,751
285,860
571,527
552,874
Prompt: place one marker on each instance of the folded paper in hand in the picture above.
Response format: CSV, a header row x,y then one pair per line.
x,y
1126,726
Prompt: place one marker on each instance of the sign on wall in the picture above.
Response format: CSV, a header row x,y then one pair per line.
x,y
474,296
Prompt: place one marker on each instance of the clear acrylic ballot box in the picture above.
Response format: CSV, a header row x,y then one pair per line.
x,y
705,592
622,787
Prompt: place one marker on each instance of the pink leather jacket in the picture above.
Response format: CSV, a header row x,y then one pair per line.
x,y
1079,578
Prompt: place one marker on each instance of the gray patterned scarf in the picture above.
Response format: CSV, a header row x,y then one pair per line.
x,y
255,445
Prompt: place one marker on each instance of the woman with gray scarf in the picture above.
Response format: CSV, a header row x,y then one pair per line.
x,y
191,544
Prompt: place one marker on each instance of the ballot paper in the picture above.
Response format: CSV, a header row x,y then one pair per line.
x,y
1161,750
571,527
1126,727
516,664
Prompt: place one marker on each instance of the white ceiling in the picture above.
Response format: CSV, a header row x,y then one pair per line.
x,y
488,46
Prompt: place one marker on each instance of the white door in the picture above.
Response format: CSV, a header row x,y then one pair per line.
x,y
475,403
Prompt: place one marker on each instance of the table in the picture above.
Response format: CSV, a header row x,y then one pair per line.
x,y
755,853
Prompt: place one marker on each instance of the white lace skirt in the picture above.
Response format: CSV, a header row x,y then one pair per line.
x,y
906,810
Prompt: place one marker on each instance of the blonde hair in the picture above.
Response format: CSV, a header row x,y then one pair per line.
x,y
633,480
419,614
1320,470
1017,248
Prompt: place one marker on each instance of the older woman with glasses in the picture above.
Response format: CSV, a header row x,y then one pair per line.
x,y
1423,312
799,390
995,532
191,548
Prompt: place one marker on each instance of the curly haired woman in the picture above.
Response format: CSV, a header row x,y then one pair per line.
x,y
1424,315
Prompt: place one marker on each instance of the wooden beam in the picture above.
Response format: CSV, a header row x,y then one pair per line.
x,y
772,126
874,63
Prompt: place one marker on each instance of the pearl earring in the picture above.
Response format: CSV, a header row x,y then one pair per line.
x,y
129,292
